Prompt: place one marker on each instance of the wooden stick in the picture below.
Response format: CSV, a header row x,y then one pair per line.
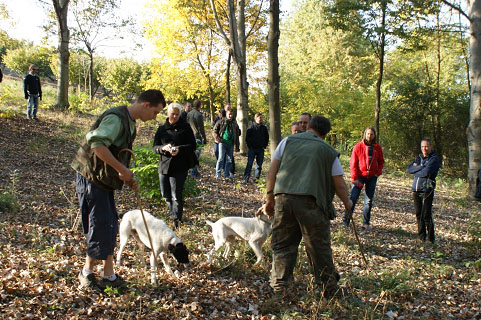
x,y
358,241
139,201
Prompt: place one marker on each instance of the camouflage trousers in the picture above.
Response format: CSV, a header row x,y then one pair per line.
x,y
298,217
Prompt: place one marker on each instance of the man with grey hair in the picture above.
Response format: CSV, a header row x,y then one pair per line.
x,y
304,210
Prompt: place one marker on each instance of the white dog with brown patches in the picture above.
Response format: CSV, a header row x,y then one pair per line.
x,y
163,240
254,230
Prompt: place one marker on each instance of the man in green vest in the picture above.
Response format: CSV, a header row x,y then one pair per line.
x,y
305,173
101,168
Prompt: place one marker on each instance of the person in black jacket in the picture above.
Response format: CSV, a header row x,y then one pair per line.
x,y
257,139
425,169
175,142
33,91
477,193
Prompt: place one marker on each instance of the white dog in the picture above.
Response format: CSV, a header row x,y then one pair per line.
x,y
254,230
163,240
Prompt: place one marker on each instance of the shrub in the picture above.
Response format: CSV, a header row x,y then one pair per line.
x,y
146,171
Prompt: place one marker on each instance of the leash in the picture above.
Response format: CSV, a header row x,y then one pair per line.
x,y
139,202
358,242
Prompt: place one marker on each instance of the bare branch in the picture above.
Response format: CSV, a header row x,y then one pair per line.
x,y
219,25
457,8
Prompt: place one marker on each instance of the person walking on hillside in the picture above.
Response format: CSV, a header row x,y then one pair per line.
x,y
366,165
425,169
100,169
33,92
304,210
196,121
175,142
257,139
226,133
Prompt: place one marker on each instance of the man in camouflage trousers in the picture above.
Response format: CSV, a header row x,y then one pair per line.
x,y
305,173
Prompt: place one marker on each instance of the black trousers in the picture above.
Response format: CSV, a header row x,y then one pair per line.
x,y
423,204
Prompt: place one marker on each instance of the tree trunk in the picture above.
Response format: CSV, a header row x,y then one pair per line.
x,y
273,75
61,10
237,43
243,85
382,45
227,78
474,127
91,76
437,117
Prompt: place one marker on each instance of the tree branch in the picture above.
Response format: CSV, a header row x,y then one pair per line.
x,y
457,8
219,26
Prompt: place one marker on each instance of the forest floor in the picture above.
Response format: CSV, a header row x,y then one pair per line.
x,y
43,249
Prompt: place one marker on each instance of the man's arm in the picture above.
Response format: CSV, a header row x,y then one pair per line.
x,y
342,191
125,174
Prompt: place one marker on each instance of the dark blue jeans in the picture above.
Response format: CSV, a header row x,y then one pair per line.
x,y
226,155
370,188
423,204
99,218
171,187
258,154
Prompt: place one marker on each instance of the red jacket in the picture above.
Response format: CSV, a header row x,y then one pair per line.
x,y
360,158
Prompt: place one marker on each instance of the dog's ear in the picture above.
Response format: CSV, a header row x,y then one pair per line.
x,y
181,245
171,248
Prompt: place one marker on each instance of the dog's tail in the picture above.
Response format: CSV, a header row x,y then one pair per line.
x,y
210,223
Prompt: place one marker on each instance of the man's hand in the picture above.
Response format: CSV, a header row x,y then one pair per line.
x,y
133,185
126,175
267,209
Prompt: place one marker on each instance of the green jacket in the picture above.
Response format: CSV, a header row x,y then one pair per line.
x,y
306,169
94,169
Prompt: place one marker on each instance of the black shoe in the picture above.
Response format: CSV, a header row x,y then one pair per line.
x,y
117,283
35,118
87,282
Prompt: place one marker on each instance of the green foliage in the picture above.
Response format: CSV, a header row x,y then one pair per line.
x,y
7,43
21,58
8,198
333,80
123,77
146,172
147,176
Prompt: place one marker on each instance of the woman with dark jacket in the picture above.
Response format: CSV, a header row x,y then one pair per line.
x,y
175,142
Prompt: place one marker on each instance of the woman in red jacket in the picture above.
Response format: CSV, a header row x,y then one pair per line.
x,y
366,165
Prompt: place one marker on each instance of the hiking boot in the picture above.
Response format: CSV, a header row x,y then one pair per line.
x,y
87,282
117,283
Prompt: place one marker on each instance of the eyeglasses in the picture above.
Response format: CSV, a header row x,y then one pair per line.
x,y
303,122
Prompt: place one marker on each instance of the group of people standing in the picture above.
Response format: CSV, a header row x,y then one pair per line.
x,y
304,210
304,175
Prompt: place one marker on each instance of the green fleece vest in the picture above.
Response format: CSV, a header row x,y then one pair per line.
x,y
93,168
305,169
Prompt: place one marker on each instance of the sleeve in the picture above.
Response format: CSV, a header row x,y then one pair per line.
x,y
249,137
280,149
266,136
380,164
215,130
202,129
39,88
25,87
107,132
336,169
157,148
414,168
354,163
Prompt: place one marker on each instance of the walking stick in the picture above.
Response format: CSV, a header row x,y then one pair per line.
x,y
358,241
139,201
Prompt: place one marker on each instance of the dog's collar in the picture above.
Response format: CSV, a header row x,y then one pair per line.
x,y
264,218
